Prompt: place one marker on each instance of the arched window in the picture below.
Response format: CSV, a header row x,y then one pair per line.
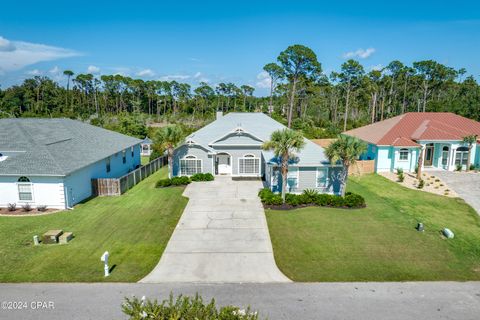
x,y
403,156
190,165
249,165
461,156
25,192
445,152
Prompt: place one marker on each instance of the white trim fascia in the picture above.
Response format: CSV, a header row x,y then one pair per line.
x,y
234,145
235,132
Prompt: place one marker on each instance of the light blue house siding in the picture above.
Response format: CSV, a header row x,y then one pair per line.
x,y
78,185
306,178
446,155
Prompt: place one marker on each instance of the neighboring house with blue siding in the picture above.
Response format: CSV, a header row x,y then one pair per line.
x,y
52,161
232,145
434,137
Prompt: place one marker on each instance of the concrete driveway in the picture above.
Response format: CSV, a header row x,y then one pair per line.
x,y
466,185
222,236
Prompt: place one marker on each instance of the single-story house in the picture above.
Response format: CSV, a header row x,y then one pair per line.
x,y
52,161
437,137
232,145
146,147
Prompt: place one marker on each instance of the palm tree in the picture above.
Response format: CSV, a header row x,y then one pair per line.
x,y
470,140
168,138
69,74
346,149
284,143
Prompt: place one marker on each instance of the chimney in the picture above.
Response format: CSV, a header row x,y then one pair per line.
x,y
219,114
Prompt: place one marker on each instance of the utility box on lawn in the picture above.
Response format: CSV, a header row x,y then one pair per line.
x,y
51,236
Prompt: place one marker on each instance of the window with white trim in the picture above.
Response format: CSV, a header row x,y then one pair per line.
x,y
25,190
249,165
107,165
124,156
403,154
190,165
461,156
322,177
292,178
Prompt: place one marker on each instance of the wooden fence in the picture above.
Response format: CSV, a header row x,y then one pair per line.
x,y
362,167
118,186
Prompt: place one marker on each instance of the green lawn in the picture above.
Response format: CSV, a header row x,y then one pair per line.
x,y
378,243
134,228
144,160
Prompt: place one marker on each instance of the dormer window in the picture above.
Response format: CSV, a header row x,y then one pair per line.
x,y
239,130
190,142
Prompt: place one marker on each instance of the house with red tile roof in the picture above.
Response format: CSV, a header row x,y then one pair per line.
x,y
434,138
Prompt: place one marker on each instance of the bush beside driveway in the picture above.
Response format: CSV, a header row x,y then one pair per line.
x,y
379,242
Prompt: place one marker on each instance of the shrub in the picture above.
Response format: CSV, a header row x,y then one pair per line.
x,y
175,181
399,171
310,194
421,184
27,207
472,167
164,183
12,206
459,167
273,199
323,200
353,200
202,177
265,192
183,307
180,181
292,199
337,201
401,177
42,208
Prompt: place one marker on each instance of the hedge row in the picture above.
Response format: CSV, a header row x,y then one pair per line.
x,y
184,180
312,197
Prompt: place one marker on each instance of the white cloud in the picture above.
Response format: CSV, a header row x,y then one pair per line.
x,y
377,67
93,69
55,70
176,77
360,53
264,80
34,72
15,55
197,75
6,45
194,59
146,73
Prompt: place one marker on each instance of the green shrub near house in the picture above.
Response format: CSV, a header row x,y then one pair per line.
x,y
202,177
312,197
175,181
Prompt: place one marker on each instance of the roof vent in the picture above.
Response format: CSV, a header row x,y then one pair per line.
x,y
2,157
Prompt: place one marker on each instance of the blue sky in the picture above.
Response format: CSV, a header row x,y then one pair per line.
x,y
221,41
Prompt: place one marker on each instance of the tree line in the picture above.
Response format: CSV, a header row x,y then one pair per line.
x,y
301,95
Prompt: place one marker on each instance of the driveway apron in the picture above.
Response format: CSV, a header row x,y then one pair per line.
x,y
222,236
466,185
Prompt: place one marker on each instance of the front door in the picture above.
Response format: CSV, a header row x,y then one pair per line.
x,y
429,150
223,163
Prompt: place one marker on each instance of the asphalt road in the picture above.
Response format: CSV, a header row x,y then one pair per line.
x,y
385,301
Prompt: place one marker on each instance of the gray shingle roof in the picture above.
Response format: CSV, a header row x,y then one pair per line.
x,y
55,147
261,126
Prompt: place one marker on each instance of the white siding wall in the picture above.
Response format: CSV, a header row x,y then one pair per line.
x,y
46,191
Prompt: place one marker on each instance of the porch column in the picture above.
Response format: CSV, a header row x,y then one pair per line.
x,y
451,161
